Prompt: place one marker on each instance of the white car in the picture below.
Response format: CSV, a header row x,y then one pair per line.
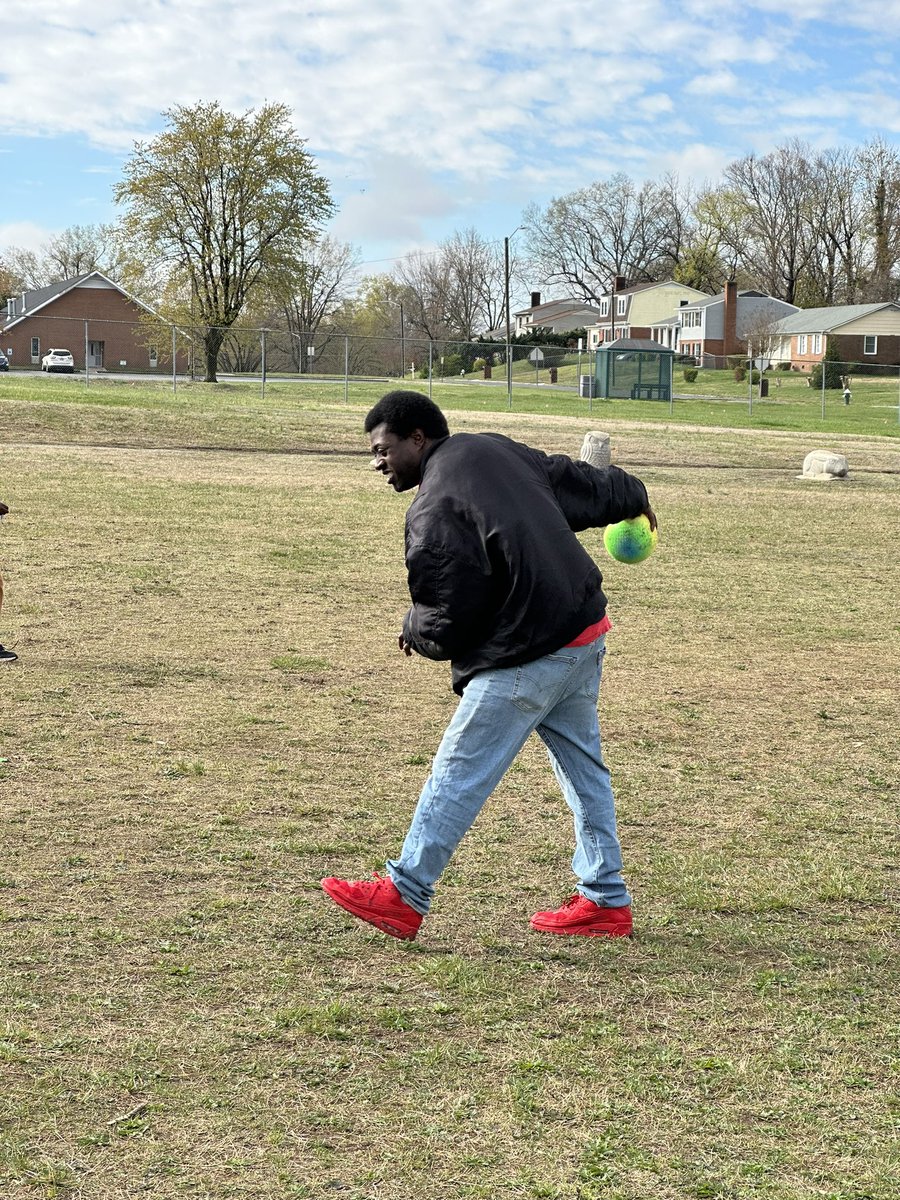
x,y
58,360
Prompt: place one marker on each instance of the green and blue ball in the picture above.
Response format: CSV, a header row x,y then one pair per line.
x,y
630,541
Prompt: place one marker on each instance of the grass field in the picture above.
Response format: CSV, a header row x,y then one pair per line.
x,y
209,713
242,414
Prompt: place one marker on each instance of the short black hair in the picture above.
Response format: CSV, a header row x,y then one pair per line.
x,y
404,412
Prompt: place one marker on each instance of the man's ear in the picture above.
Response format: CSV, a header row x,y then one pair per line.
x,y
419,438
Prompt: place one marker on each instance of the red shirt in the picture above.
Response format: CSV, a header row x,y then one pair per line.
x,y
592,632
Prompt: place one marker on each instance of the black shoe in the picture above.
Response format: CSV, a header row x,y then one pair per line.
x,y
7,655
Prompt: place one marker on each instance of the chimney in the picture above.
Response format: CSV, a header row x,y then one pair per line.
x,y
11,306
23,301
620,284
729,319
535,299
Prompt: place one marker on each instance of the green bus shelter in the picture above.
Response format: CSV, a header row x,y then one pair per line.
x,y
634,369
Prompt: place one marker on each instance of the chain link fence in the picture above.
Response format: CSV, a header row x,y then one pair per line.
x,y
338,361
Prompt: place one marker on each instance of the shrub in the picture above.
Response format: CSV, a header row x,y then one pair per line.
x,y
478,364
453,364
740,374
690,374
783,366
754,376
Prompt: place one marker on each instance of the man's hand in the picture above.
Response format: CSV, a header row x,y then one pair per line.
x,y
404,645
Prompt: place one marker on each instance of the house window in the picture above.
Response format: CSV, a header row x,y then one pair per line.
x,y
35,350
801,344
817,343
870,344
604,308
154,356
621,305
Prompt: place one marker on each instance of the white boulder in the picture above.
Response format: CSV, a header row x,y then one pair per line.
x,y
824,465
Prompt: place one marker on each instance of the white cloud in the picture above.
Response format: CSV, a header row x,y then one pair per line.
x,y
714,83
417,110
25,234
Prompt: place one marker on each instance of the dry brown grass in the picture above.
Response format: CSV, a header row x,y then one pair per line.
x,y
209,713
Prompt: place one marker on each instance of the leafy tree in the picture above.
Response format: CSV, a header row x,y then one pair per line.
x,y
831,364
229,202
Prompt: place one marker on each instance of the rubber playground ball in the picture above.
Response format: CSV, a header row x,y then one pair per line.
x,y
630,541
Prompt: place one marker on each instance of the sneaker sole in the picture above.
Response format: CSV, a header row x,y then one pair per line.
x,y
607,933
394,931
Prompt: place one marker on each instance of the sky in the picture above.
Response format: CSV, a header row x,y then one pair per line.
x,y
428,118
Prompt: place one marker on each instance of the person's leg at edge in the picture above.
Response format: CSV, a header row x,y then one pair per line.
x,y
485,735
571,733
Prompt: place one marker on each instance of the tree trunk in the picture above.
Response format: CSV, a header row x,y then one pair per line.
x,y
212,344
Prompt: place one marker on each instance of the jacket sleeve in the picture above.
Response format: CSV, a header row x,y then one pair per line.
x,y
591,496
450,585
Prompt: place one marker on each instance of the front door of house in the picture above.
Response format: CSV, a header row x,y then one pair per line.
x,y
95,354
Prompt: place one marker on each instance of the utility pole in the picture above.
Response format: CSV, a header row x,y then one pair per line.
x,y
506,301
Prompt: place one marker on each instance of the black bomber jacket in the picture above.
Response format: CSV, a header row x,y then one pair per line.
x,y
497,576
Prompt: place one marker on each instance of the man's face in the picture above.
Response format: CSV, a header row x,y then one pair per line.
x,y
400,459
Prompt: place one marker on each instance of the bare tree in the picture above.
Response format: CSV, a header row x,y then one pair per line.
x,y
426,285
771,195
837,216
76,251
582,241
314,292
475,272
759,332
881,173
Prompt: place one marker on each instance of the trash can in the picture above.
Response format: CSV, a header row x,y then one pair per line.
x,y
587,386
763,387
553,371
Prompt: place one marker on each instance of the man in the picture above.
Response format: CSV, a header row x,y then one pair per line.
x,y
6,656
502,587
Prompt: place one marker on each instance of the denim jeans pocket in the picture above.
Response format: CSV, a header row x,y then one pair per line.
x,y
537,684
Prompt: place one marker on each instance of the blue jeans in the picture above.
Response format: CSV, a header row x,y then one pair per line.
x,y
557,696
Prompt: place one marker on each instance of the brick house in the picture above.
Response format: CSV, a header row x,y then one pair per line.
x,y
92,317
715,327
864,333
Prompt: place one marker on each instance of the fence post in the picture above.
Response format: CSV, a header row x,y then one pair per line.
x,y
87,374
822,364
174,364
263,364
430,369
346,368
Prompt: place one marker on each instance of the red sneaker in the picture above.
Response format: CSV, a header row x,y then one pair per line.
x,y
581,917
378,902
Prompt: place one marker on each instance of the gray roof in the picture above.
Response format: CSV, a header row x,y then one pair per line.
x,y
38,296
821,320
720,299
643,345
557,308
